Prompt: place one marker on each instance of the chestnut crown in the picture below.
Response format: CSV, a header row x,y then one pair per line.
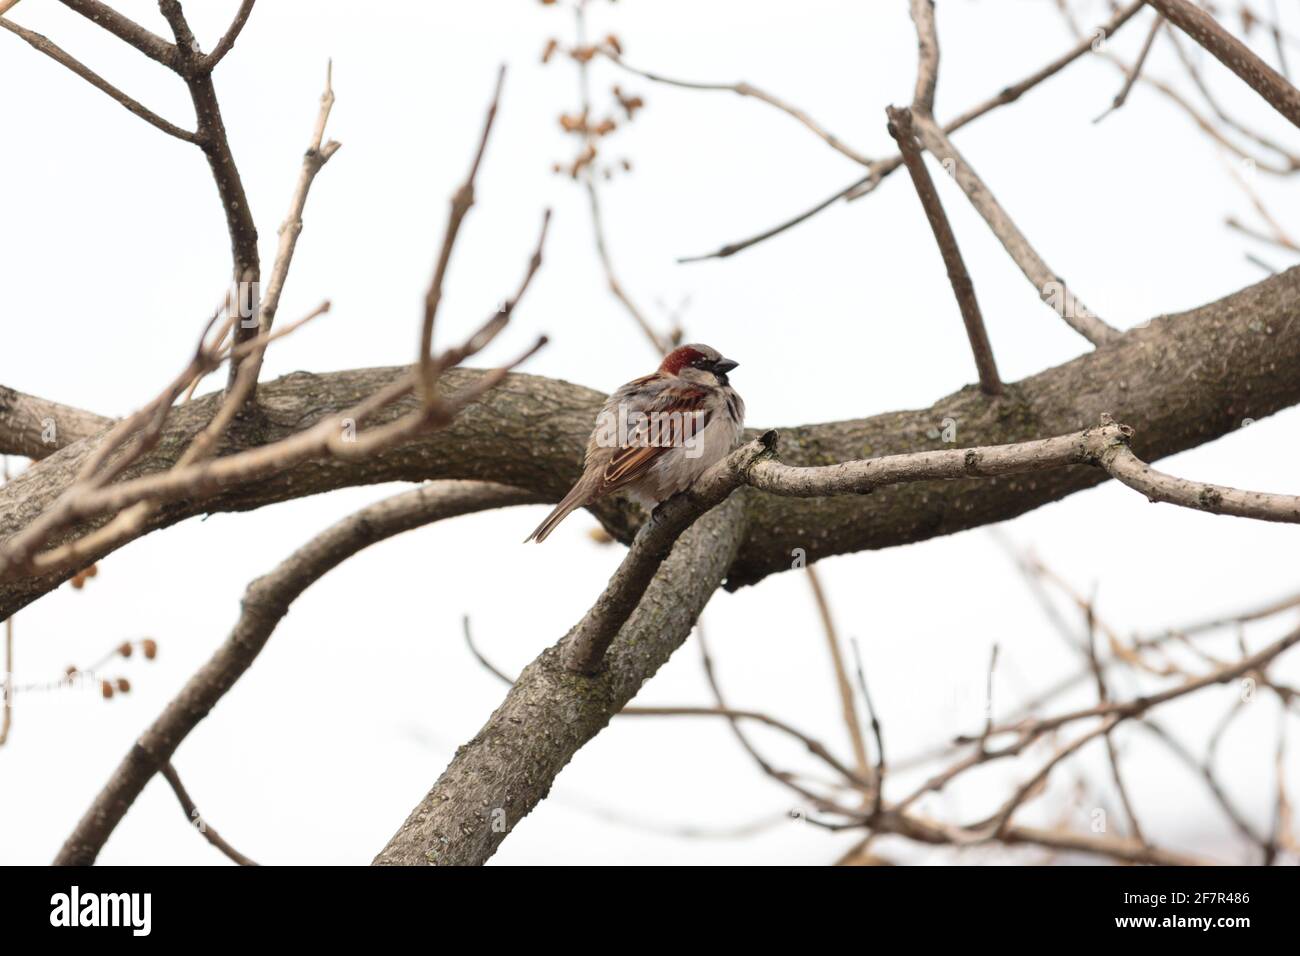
x,y
701,358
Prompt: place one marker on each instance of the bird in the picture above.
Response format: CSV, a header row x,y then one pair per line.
x,y
655,435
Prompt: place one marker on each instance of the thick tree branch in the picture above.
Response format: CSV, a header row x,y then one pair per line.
x,y
1181,381
35,427
507,769
459,820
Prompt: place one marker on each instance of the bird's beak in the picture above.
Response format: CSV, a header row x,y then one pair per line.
x,y
724,365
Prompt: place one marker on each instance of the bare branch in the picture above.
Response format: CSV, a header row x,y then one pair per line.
x,y
1233,54
1088,44
1127,468
927,43
848,709
507,769
266,601
878,783
731,248
1140,705
900,127
879,169
748,90
56,53
1050,287
197,821
660,343
124,28
314,159
1132,74
587,643
35,427
227,41
1103,695
461,201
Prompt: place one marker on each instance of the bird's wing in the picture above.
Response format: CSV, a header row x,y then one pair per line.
x,y
645,443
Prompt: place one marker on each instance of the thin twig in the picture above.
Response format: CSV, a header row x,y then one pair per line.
x,y
197,821
848,710
1132,74
878,799
461,201
228,39
1103,695
743,89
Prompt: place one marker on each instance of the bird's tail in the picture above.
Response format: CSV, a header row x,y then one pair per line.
x,y
575,499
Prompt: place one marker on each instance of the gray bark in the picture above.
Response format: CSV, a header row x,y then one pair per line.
x,y
1182,381
550,712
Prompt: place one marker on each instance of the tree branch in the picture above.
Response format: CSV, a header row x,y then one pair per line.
x,y
266,601
1182,380
900,127
35,427
927,46
313,161
59,55
588,641
1051,288
212,139
1233,54
461,201
196,819
124,28
227,41
881,168
747,90
506,770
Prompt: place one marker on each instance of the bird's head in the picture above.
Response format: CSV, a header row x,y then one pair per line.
x,y
699,364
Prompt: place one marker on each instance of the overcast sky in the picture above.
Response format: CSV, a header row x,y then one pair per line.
x,y
113,250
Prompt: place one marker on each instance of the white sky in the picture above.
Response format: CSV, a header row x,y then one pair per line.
x,y
113,248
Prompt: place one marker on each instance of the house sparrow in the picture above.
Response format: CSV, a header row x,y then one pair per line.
x,y
658,433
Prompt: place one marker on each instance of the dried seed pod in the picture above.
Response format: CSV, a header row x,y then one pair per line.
x,y
85,574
